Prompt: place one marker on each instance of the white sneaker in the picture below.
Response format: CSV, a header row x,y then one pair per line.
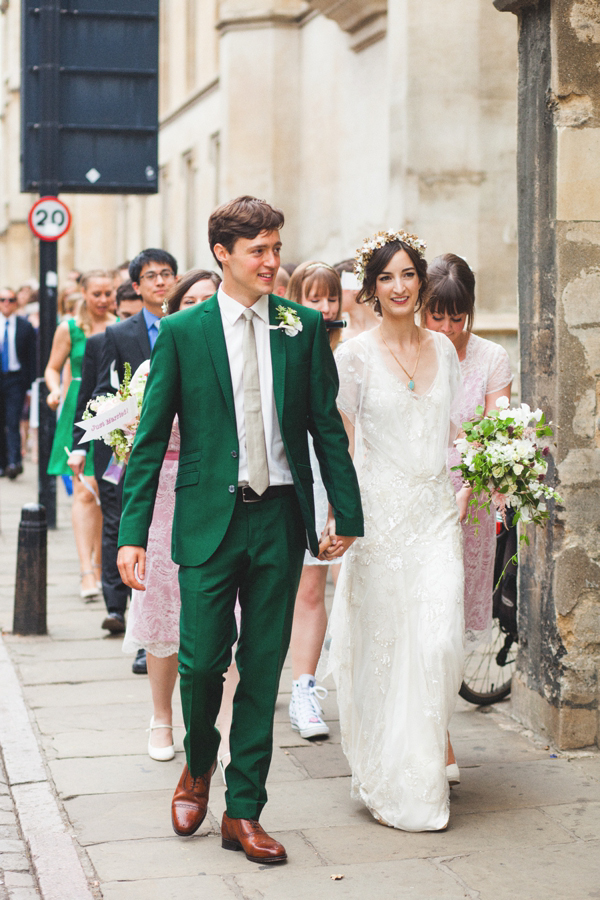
x,y
305,709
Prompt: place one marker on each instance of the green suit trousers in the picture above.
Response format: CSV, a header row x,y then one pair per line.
x,y
260,560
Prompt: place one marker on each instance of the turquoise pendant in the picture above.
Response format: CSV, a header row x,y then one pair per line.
x,y
411,385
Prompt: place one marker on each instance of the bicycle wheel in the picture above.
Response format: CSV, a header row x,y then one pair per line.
x,y
489,669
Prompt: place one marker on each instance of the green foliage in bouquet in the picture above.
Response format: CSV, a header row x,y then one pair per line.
x,y
503,462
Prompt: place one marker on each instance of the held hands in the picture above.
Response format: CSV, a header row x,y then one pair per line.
x,y
331,545
127,560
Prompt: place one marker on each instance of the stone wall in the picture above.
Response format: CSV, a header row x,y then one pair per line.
x,y
556,689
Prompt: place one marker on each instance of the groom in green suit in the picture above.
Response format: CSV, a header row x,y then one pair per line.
x,y
249,376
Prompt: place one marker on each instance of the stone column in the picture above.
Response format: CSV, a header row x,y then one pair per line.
x,y
556,690
259,65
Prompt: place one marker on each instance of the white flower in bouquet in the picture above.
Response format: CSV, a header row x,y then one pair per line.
x,y
505,463
120,439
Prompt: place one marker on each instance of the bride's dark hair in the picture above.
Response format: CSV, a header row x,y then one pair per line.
x,y
378,264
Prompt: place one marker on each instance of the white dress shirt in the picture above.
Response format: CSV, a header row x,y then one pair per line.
x,y
13,363
233,327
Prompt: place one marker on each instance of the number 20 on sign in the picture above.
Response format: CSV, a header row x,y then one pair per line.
x,y
49,218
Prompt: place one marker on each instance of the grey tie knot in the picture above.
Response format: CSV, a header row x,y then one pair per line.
x,y
248,313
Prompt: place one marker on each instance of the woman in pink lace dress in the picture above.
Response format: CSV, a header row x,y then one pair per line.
x,y
153,623
485,368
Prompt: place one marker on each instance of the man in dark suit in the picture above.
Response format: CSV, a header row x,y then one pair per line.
x,y
153,272
17,342
114,591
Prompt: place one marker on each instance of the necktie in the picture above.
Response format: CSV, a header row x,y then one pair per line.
x,y
154,333
5,362
258,469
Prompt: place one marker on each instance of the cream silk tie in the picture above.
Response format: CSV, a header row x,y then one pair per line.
x,y
258,469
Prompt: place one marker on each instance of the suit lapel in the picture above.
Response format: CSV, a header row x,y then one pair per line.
x,y
278,357
215,338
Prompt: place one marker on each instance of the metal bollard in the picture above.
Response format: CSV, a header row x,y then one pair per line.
x,y
30,587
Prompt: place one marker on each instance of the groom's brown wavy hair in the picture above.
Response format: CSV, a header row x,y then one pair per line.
x,y
244,217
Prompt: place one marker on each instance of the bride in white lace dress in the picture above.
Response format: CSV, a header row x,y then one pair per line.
x,y
396,627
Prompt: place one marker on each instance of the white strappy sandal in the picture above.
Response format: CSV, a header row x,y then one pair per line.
x,y
223,762
161,754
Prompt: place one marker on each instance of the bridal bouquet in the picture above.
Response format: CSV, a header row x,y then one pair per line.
x,y
502,460
115,417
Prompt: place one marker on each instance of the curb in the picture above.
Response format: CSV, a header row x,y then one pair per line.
x,y
54,856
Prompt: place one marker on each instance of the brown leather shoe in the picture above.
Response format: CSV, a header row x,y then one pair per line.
x,y
249,836
190,800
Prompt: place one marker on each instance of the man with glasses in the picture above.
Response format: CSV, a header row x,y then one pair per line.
x,y
153,272
18,346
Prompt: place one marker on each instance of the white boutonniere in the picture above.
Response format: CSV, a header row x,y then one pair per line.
x,y
289,321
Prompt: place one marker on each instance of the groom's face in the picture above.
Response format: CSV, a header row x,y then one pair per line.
x,y
253,263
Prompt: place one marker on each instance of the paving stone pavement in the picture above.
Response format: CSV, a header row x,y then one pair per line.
x,y
17,880
525,821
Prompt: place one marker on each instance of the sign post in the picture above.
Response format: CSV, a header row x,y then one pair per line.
x,y
49,219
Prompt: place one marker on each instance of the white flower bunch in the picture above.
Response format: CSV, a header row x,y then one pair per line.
x,y
289,321
121,439
503,462
364,253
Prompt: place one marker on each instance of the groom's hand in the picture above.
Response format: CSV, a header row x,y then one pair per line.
x,y
127,560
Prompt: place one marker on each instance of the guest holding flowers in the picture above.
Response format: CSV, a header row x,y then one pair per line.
x,y
153,623
449,308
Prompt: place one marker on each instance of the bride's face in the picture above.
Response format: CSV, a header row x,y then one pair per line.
x,y
397,287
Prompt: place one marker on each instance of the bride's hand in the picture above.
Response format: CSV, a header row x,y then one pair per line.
x,y
462,501
325,539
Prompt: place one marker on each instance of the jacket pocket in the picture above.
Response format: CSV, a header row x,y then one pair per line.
x,y
186,478
191,457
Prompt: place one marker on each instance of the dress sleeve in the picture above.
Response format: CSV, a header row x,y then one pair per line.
x,y
350,365
499,373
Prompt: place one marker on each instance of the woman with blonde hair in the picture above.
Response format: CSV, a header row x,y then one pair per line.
x,y
68,345
317,285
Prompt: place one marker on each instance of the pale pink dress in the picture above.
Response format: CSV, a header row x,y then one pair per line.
x,y
485,370
153,621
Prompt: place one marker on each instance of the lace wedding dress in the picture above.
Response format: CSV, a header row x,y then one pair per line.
x,y
485,370
396,627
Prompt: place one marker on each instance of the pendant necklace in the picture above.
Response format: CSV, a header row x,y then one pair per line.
x,y
411,382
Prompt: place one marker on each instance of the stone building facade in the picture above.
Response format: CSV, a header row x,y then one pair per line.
x,y
556,689
352,115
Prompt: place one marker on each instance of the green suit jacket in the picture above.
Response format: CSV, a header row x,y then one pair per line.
x,y
189,377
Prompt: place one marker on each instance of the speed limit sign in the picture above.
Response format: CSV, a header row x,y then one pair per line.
x,y
49,218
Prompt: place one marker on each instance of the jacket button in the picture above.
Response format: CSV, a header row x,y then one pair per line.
x,y
232,488
234,454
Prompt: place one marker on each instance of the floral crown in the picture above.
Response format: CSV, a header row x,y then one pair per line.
x,y
371,244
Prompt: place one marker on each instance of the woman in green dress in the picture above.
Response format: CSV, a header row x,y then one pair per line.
x,y
92,317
